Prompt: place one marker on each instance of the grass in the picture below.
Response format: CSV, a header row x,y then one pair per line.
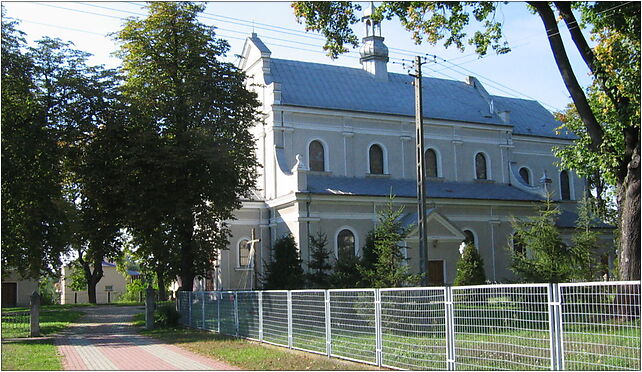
x,y
30,354
51,321
246,354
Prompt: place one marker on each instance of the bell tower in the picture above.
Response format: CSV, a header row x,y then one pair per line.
x,y
374,53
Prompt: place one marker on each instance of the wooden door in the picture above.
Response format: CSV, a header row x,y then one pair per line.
x,y
9,294
436,272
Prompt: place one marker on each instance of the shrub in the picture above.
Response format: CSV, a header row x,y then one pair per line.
x,y
284,271
470,267
319,265
166,316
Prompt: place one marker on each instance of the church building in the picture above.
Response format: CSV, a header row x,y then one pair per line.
x,y
336,142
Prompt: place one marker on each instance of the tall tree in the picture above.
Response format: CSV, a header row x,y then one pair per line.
x,y
198,111
82,105
436,21
284,271
389,269
34,232
319,265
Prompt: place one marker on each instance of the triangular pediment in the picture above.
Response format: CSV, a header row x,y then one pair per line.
x,y
439,227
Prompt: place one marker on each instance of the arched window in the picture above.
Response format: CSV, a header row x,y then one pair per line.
x,y
469,238
244,253
480,167
316,156
523,172
376,159
345,244
430,158
565,188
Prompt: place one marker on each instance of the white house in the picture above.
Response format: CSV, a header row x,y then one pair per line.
x,y
336,141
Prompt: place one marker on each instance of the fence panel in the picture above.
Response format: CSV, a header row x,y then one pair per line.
x,y
501,327
601,325
413,328
352,322
308,320
183,307
576,326
211,313
226,313
248,314
275,317
16,324
197,310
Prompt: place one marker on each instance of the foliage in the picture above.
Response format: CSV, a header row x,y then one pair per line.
x,y
47,290
34,229
345,273
544,257
133,290
284,271
430,21
585,243
190,158
76,278
319,265
166,316
470,267
389,269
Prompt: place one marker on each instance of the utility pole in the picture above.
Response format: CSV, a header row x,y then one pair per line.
x,y
421,174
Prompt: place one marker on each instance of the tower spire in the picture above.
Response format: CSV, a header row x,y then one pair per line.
x,y
374,53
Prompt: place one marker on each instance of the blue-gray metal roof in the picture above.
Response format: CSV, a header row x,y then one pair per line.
x,y
354,89
568,219
368,186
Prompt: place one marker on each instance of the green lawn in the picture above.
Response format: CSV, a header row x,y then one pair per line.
x,y
246,354
35,354
30,355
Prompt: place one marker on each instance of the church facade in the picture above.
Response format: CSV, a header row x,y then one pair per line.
x,y
336,142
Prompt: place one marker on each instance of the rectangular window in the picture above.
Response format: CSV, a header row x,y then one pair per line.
x,y
109,288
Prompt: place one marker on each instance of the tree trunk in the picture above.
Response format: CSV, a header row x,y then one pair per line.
x,y
629,203
187,256
594,129
162,295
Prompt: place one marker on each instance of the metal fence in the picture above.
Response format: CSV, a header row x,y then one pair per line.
x,y
576,326
16,324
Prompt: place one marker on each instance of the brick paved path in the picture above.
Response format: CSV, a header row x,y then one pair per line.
x,y
104,340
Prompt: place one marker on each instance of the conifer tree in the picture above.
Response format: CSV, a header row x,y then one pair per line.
x,y
319,264
585,242
470,267
545,257
284,271
389,269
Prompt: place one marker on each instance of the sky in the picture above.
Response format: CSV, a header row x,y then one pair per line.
x,y
528,71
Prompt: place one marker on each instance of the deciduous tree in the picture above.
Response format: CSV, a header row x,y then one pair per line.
x,y
198,112
34,229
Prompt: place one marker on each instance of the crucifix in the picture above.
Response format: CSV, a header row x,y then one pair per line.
x,y
250,262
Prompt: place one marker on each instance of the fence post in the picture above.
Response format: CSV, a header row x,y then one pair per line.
x,y
557,319
203,310
449,312
289,319
35,315
260,316
189,308
219,298
328,324
378,333
236,313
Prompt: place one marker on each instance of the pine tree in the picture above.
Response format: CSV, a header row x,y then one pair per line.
x,y
585,242
284,271
319,265
388,269
545,258
470,267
